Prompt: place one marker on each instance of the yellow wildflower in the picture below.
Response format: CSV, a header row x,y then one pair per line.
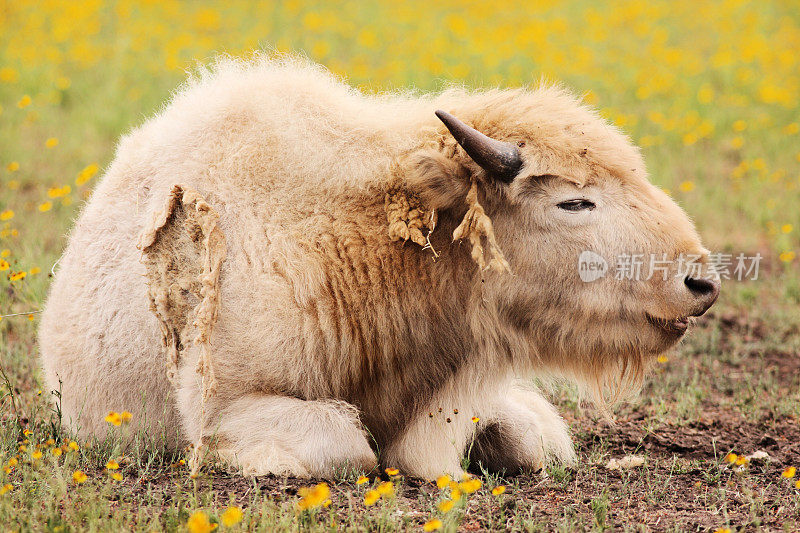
x,y
311,497
34,270
386,488
432,525
706,94
112,465
125,416
113,418
789,472
742,460
57,452
79,477
13,462
4,265
371,497
475,419
12,167
74,446
58,192
231,516
52,142
36,455
24,102
446,505
362,480
16,276
392,471
731,458
86,174
470,485
46,206
791,129
8,487
443,481
662,359
199,523
739,125
786,257
787,228
498,490
8,214
686,186
723,530
116,476
8,75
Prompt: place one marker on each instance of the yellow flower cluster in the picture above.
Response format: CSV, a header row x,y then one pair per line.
x,y
456,492
738,460
683,78
199,521
117,419
383,490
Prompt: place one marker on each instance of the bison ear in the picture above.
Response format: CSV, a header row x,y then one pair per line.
x,y
440,181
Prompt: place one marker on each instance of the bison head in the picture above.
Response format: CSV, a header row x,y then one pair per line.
x,y
606,269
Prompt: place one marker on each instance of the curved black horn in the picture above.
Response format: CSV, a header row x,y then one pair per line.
x,y
496,157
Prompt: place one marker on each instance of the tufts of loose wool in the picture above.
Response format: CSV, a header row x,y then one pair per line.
x,y
183,253
477,226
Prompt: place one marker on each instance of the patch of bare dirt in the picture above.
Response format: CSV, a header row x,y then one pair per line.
x,y
713,435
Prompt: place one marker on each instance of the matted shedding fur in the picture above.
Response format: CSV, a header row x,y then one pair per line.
x,y
407,217
328,340
183,252
477,226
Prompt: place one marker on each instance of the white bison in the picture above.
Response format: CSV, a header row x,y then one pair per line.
x,y
308,277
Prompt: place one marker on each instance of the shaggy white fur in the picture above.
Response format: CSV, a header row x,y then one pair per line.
x,y
331,339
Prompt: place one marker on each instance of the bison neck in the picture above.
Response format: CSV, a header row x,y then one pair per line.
x,y
391,325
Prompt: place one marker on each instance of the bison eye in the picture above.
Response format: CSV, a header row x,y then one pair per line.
x,y
579,204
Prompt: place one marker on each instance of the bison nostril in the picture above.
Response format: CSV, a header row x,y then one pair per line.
x,y
702,286
706,290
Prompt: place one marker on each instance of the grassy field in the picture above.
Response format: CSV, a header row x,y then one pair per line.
x,y
709,90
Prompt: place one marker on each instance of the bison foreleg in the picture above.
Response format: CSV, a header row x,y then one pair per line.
x,y
433,442
264,434
523,432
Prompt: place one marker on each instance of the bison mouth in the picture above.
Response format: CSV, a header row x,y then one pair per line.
x,y
674,326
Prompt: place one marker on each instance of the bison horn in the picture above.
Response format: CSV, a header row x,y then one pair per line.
x,y
496,157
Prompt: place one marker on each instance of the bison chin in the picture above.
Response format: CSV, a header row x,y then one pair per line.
x,y
607,359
